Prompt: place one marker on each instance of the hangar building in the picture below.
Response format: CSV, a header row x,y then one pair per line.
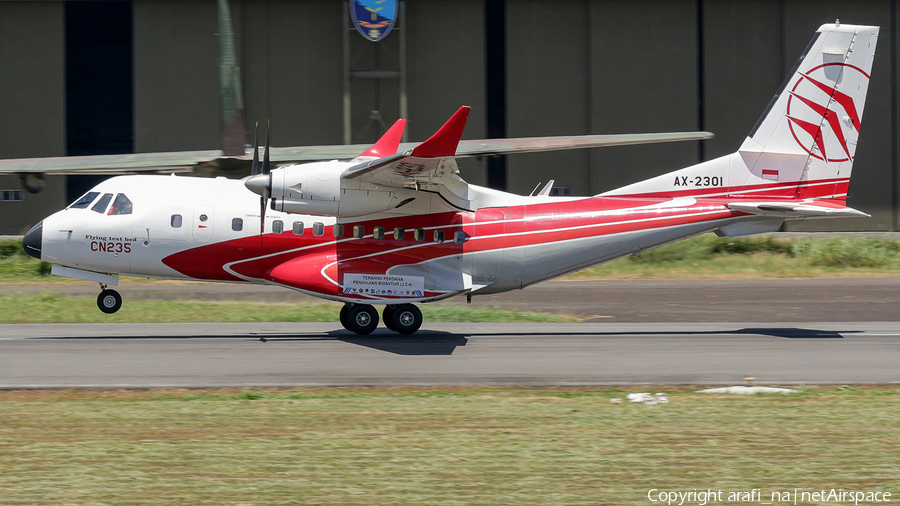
x,y
139,76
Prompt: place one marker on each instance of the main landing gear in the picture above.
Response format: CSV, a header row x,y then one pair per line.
x,y
363,318
109,301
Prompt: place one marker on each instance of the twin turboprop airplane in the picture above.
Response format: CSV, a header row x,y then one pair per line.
x,y
403,228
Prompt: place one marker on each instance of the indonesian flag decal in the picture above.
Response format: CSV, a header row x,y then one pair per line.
x,y
770,174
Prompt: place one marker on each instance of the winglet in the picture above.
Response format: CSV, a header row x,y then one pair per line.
x,y
388,144
445,141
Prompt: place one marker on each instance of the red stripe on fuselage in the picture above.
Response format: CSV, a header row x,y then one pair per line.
x,y
821,188
487,229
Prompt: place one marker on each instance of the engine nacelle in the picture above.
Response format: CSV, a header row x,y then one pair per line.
x,y
317,188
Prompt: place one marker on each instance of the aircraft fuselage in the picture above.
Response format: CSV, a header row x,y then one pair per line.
x,y
209,229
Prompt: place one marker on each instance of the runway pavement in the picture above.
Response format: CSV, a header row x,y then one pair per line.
x,y
638,301
210,355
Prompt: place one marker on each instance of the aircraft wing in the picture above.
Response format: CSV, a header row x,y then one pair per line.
x,y
431,165
487,147
176,161
109,164
210,161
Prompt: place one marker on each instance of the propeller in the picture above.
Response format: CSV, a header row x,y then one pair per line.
x,y
260,180
254,169
267,191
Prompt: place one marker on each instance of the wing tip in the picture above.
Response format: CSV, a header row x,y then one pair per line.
x,y
445,141
389,143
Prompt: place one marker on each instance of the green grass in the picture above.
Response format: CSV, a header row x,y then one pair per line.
x,y
55,308
440,446
15,265
710,257
706,256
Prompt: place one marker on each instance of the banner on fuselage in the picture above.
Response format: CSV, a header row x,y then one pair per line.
x,y
382,284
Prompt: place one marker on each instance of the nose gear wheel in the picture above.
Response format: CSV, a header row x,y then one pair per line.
x,y
109,301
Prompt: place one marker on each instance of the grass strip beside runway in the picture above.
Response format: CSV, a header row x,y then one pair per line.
x,y
758,257
56,308
452,445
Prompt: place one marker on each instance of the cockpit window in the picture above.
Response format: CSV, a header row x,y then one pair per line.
x,y
101,204
85,201
121,205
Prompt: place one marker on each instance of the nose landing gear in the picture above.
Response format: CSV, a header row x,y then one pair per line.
x,y
363,318
109,301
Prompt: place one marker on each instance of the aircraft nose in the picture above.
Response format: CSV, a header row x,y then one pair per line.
x,y
31,243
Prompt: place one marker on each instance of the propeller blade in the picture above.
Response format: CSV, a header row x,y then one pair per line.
x,y
267,191
265,166
254,169
262,216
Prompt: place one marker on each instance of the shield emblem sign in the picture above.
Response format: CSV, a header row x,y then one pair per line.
x,y
373,18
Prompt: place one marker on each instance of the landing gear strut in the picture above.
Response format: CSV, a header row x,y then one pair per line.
x,y
387,316
109,301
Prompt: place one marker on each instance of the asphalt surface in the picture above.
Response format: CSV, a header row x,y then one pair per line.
x,y
787,300
636,332
211,355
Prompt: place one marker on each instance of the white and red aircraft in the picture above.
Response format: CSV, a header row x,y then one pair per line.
x,y
398,229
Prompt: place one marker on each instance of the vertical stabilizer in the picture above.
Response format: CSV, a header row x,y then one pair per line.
x,y
804,144
810,130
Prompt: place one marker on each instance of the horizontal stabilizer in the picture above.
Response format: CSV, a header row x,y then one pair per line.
x,y
804,209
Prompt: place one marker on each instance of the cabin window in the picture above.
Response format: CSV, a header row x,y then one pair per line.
x,y
318,229
121,205
378,233
438,236
12,196
85,201
237,224
419,234
277,227
101,204
359,231
399,233
459,237
203,218
338,230
176,221
298,228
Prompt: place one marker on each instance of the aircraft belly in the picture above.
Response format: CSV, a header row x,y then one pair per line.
x,y
441,275
548,260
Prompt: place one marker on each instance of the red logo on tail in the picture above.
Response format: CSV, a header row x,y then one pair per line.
x,y
813,122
